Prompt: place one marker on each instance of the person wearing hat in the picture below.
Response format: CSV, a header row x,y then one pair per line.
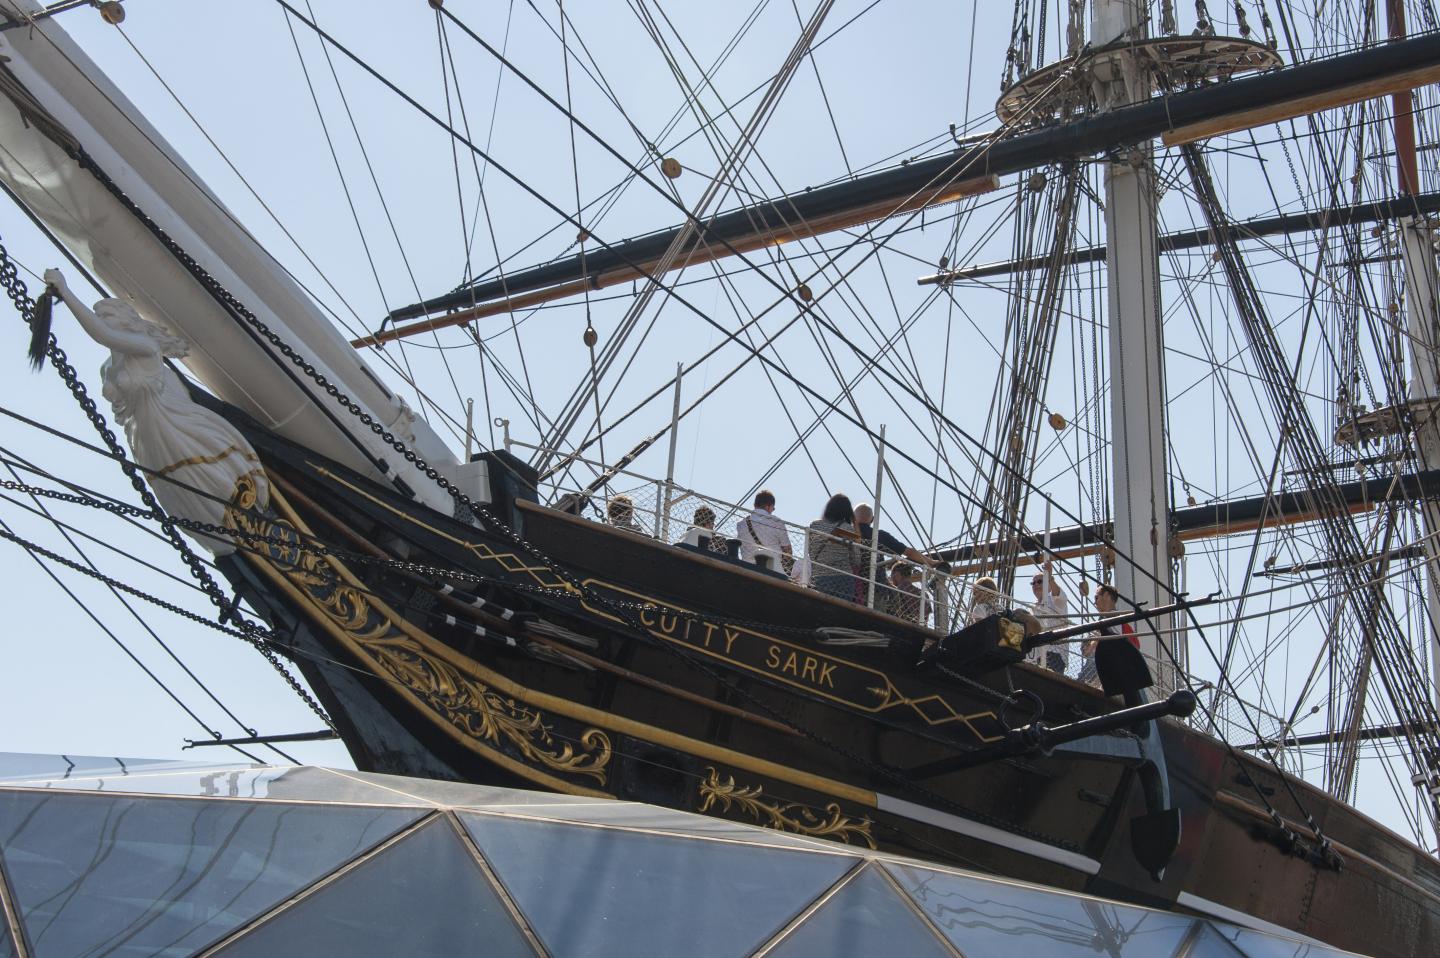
x,y
1053,611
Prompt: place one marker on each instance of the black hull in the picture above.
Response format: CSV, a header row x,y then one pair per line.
x,y
678,698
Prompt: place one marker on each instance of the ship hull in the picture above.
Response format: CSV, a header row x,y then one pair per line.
x,y
586,660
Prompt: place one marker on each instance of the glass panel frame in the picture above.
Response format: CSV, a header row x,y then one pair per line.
x,y
407,878
867,916
984,915
168,875
620,888
260,783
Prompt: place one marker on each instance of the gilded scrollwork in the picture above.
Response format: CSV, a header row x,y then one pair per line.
x,y
782,816
471,707
482,713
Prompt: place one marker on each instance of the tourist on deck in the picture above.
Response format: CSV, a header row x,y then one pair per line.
x,y
1053,611
985,600
704,524
763,530
1105,598
887,543
902,597
620,513
833,547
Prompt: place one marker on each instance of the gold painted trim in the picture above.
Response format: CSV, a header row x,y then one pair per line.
x,y
795,817
889,696
207,460
543,700
490,754
320,883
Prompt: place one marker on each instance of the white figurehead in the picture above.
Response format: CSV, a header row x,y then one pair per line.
x,y
193,458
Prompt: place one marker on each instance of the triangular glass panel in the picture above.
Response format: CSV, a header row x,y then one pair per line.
x,y
460,793
22,766
1209,943
596,892
637,815
1260,944
866,917
423,896
982,917
279,782
100,874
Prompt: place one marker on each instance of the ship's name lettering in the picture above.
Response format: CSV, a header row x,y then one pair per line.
x,y
743,646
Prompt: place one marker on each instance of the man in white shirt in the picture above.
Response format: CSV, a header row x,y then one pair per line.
x,y
1053,611
761,530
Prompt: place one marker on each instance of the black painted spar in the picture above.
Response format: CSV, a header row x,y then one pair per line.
x,y
1097,134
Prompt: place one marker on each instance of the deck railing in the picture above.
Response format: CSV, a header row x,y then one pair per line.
x,y
940,601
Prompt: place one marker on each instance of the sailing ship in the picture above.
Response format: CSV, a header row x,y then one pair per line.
x,y
491,617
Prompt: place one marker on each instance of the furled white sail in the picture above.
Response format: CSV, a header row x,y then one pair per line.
x,y
225,354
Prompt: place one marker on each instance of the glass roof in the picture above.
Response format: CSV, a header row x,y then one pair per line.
x,y
136,857
373,909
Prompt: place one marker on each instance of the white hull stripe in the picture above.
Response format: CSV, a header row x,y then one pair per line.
x,y
1215,910
987,833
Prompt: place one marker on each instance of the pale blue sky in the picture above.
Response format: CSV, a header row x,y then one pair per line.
x,y
896,78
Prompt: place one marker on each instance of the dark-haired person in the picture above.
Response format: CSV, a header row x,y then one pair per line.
x,y
902,598
1105,598
704,524
761,529
833,547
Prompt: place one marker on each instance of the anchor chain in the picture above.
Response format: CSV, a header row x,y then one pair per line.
x,y
15,288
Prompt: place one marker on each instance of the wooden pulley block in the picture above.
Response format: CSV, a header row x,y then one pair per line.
x,y
671,167
112,12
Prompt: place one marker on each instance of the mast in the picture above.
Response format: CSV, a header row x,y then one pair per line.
x,y
1137,371
1417,252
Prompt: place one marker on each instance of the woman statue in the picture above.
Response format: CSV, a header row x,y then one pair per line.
x,y
191,456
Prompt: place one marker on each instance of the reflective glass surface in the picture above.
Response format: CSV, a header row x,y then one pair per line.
x,y
598,892
1258,944
462,793
653,818
99,874
19,765
865,918
7,948
285,783
1209,943
423,896
990,917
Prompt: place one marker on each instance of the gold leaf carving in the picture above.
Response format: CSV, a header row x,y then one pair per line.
x,y
782,816
471,707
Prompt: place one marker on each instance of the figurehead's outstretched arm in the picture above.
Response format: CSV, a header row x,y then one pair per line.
x,y
106,334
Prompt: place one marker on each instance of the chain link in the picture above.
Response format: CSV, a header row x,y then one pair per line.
x,y
628,611
251,631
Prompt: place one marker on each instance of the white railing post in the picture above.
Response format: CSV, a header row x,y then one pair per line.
x,y
875,519
670,468
924,592
504,425
469,428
